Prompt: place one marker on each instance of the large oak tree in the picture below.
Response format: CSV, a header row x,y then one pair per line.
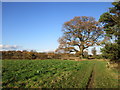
x,y
80,33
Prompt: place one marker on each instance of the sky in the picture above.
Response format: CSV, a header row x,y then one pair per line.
x,y
37,25
59,0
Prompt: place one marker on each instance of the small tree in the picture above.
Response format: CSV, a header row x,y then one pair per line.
x,y
94,51
85,53
110,51
79,33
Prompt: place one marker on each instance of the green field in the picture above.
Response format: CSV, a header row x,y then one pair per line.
x,y
57,74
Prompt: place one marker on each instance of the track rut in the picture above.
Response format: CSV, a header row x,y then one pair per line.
x,y
90,83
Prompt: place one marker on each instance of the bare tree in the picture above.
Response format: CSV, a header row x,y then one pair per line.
x,y
80,33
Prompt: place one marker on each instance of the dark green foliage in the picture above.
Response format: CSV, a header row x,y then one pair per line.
x,y
110,51
111,22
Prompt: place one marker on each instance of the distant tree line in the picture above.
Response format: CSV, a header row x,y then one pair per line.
x,y
29,55
40,55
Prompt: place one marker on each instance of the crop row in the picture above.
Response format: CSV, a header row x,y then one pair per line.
x,y
46,73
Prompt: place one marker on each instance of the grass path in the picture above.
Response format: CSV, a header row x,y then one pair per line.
x,y
104,77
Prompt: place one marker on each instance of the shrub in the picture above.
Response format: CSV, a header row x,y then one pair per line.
x,y
110,51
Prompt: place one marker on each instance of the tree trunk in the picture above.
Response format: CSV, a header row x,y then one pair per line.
x,y
81,51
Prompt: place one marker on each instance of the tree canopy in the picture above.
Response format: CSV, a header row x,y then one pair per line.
x,y
111,21
80,33
110,51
